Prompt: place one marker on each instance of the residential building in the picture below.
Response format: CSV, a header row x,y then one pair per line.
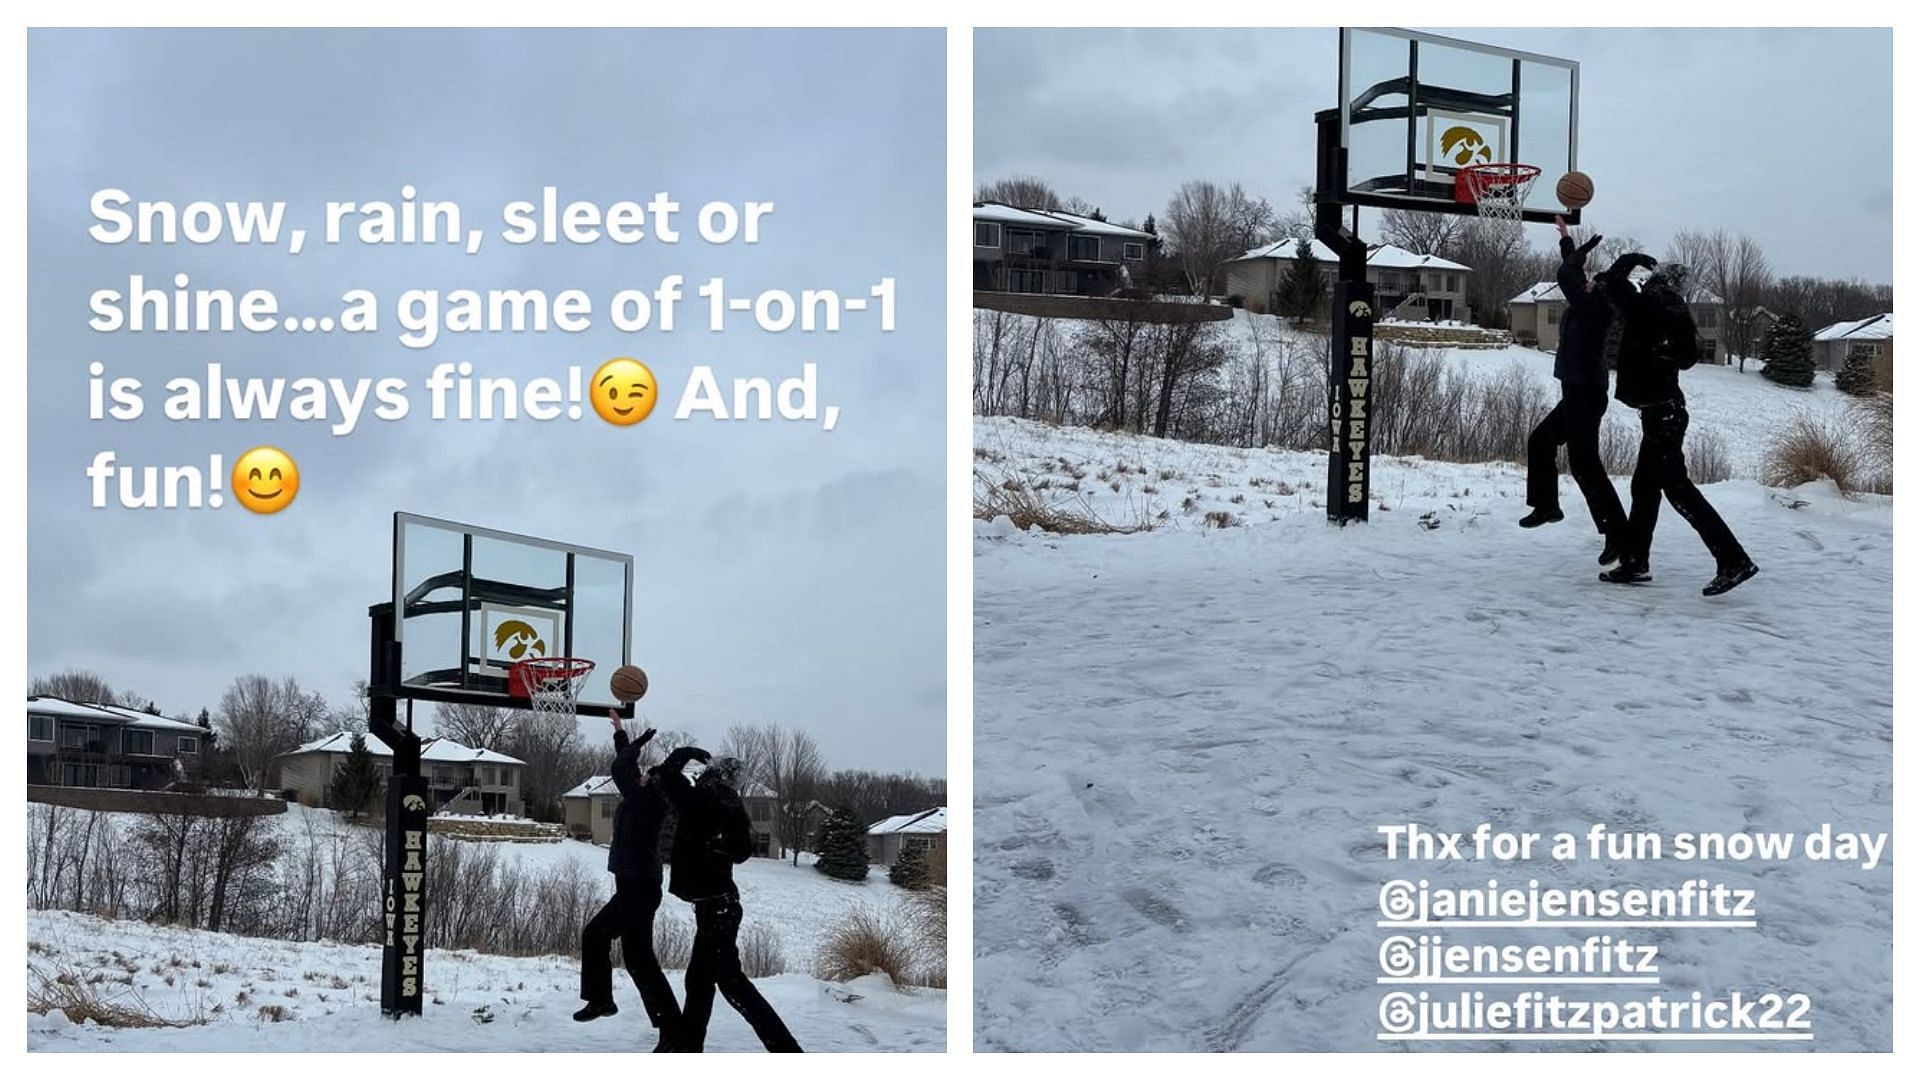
x,y
79,744
1053,252
1833,344
1408,286
589,807
925,831
462,779
1534,319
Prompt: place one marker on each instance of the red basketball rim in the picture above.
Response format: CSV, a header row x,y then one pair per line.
x,y
526,676
1473,182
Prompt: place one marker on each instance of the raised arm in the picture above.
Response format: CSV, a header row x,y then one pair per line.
x,y
626,758
673,776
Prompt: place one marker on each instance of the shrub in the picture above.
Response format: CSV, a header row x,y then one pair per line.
x,y
1809,449
862,942
760,952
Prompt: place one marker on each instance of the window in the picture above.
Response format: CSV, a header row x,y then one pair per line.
x,y
1710,350
986,234
1706,318
1553,314
74,774
761,811
187,744
120,776
40,729
1026,281
1453,282
1083,248
1133,252
916,842
75,736
133,741
606,809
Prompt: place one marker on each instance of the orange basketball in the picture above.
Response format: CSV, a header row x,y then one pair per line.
x,y
629,684
1575,190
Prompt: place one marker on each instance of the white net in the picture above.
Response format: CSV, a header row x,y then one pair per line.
x,y
1500,192
552,684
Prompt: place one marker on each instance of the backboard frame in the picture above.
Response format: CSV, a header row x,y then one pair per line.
x,y
1422,192
481,681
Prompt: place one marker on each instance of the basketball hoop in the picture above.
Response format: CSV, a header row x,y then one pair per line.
x,y
551,683
1498,192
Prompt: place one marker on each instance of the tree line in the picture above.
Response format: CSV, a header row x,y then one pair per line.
x,y
1205,224
260,718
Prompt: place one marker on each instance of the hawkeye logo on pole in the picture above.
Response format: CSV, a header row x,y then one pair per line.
x,y
1348,465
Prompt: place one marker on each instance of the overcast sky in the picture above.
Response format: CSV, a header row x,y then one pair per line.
x,y
785,574
1784,134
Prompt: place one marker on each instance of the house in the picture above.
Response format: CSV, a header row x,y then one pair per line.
x,y
1408,286
79,744
1533,317
588,810
462,779
1019,250
1832,344
925,831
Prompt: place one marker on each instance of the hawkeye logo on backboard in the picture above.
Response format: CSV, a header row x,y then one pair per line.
x,y
1360,310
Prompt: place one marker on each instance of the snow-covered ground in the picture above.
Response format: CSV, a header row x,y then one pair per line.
x,y
254,995
1185,737
798,903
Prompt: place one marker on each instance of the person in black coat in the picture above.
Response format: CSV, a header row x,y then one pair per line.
x,y
712,834
634,859
1587,337
1659,342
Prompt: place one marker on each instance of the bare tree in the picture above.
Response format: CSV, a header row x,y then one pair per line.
x,y
550,747
1695,251
483,726
259,720
1738,273
1199,225
1024,191
1251,222
787,761
1418,232
75,684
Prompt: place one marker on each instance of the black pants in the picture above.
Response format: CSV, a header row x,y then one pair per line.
x,y
1574,423
1662,470
629,917
716,964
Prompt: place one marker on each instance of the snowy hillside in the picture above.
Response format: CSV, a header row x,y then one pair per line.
x,y
250,994
532,997
1185,737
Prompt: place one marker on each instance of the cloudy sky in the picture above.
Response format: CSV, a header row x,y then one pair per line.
x,y
1784,134
785,574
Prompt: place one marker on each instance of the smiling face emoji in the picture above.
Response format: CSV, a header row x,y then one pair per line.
x,y
265,480
624,391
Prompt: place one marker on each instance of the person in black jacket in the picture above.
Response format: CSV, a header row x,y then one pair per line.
x,y
1660,341
1580,364
714,833
634,859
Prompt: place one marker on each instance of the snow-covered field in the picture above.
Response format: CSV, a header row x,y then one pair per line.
x,y
531,1000
1185,737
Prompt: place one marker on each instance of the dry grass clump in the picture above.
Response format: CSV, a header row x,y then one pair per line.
x,y
862,942
1020,500
81,1000
1810,449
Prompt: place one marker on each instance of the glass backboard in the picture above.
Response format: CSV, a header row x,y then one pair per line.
x,y
1417,108
470,601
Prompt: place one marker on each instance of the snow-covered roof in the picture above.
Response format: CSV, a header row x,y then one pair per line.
x,y
1054,219
149,720
1872,328
1537,292
926,821
1385,256
47,705
341,742
591,786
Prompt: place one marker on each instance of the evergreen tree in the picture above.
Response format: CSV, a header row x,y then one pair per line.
x,y
909,871
1857,375
1149,227
355,780
843,847
1788,353
1302,292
